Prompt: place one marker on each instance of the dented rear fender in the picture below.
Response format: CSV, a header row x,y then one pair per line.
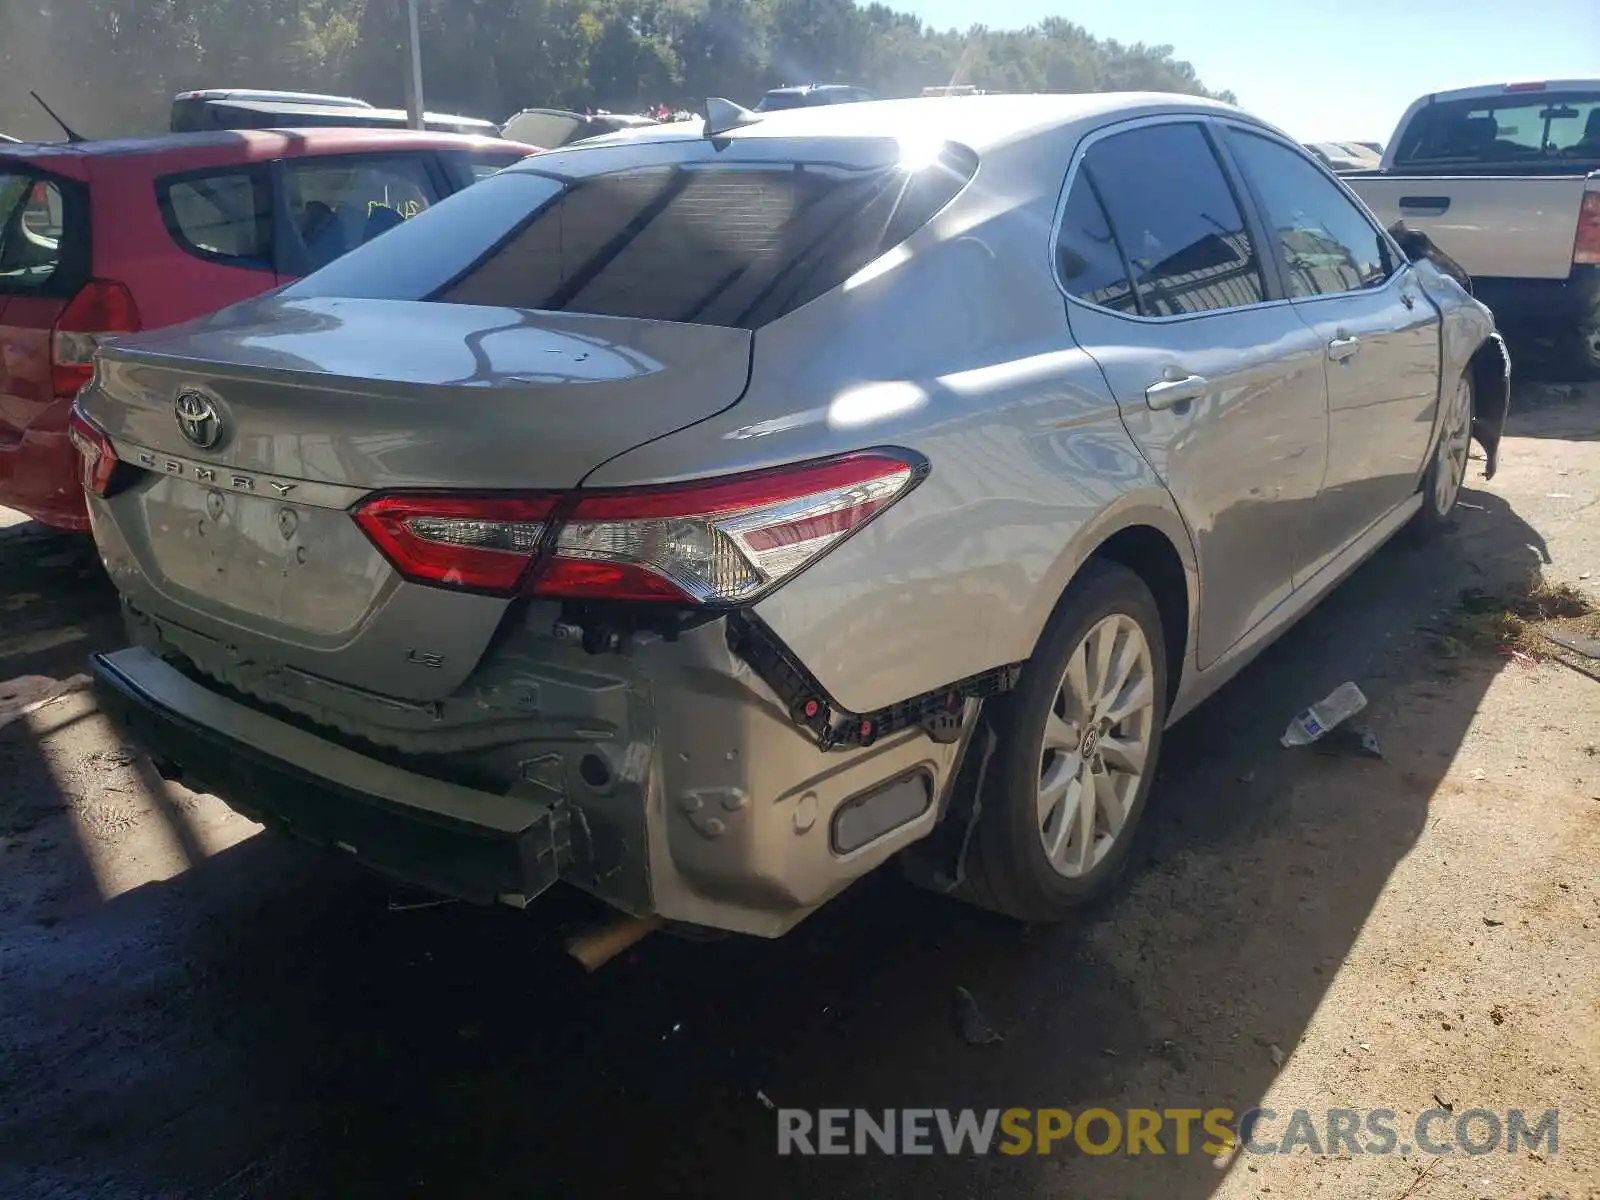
x,y
1470,345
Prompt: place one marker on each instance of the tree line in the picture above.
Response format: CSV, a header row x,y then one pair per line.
x,y
111,67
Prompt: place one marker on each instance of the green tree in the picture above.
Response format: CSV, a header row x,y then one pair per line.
x,y
112,66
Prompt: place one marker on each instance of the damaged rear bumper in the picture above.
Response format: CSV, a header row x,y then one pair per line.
x,y
668,781
450,839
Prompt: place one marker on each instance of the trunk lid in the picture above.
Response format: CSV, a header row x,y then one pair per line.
x,y
238,531
379,394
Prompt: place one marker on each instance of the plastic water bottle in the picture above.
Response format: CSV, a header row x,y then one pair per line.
x,y
1344,702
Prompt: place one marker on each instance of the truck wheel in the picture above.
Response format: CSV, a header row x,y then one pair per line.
x,y
1579,351
1077,746
1441,482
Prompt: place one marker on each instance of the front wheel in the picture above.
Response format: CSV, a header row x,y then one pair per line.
x,y
1077,747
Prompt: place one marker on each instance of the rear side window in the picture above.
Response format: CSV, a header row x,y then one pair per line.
x,y
224,216
338,203
736,244
482,168
43,234
467,167
1087,260
1328,244
1516,127
1175,220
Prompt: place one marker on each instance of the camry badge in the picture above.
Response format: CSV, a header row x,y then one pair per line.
x,y
198,419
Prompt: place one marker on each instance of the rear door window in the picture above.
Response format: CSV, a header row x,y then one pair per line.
x,y
220,216
1175,219
1328,244
336,203
44,246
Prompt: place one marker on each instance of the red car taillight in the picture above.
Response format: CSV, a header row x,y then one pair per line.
x,y
1586,249
722,541
485,543
101,309
99,458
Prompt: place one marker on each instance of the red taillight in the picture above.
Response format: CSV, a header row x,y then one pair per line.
x,y
485,543
1586,249
718,542
102,308
1531,86
99,458
722,541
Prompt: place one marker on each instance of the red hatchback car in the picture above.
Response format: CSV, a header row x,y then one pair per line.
x,y
103,238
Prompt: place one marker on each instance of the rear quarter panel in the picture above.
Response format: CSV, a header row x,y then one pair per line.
x,y
958,348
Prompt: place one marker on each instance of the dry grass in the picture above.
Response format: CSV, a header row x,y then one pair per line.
x,y
1513,623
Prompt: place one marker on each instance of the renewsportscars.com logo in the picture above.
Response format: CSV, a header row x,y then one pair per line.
x,y
1213,1131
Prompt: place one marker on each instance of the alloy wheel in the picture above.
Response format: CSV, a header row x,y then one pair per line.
x,y
1096,745
1454,443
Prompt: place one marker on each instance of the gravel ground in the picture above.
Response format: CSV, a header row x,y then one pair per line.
x,y
188,1009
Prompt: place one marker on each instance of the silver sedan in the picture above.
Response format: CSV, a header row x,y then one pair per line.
x,y
704,515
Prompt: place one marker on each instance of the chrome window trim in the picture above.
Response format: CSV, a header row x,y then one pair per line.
x,y
1201,117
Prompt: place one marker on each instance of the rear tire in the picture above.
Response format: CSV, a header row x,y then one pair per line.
x,y
1578,351
1447,470
1078,742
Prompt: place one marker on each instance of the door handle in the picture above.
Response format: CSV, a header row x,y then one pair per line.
x,y
1170,393
1343,347
1424,206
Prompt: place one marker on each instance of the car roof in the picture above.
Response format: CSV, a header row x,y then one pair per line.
x,y
815,87
250,145
361,111
978,122
1530,87
316,98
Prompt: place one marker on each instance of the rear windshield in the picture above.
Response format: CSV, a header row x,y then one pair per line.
x,y
776,101
43,245
1541,128
716,243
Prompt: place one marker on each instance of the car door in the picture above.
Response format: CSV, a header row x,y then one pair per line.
x,y
44,260
1350,283
1218,380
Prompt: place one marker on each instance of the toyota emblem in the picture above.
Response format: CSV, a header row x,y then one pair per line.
x,y
198,419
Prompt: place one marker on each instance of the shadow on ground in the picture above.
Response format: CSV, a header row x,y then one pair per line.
x,y
264,1025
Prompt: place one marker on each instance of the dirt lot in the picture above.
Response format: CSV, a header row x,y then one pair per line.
x,y
189,1009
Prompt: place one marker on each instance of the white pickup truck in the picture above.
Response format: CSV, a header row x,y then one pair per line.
x,y
1505,179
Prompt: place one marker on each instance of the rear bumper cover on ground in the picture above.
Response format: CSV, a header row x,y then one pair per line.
x,y
497,849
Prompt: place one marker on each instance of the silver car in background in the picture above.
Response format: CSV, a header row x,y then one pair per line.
x,y
700,517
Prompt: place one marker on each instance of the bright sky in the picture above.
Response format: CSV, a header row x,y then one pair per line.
x,y
1326,70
